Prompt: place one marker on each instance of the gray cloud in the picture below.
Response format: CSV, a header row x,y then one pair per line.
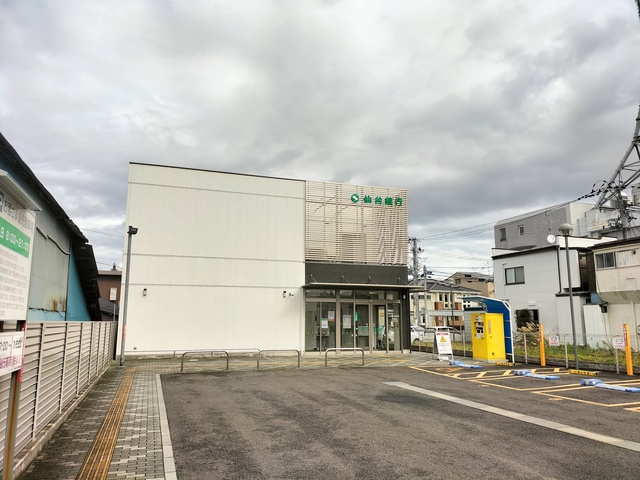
x,y
481,109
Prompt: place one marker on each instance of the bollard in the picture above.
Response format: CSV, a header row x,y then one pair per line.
x,y
543,360
627,349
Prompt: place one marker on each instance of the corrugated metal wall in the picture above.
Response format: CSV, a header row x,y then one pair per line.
x,y
61,359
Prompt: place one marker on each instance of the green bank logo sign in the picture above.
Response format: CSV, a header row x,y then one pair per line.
x,y
14,239
368,199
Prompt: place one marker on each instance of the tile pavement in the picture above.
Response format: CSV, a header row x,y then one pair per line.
x,y
138,452
143,449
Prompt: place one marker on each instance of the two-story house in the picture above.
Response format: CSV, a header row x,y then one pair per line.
x,y
443,304
617,274
109,282
535,282
474,280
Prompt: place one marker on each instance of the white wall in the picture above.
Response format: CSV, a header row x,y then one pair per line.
x,y
622,313
540,287
215,252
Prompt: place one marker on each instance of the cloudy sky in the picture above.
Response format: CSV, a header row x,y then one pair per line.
x,y
482,110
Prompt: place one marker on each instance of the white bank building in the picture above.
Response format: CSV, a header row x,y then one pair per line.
x,y
230,261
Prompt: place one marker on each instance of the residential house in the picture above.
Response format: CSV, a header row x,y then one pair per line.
x,y
535,282
445,303
474,280
109,282
617,274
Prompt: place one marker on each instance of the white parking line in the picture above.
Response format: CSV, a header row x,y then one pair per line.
x,y
618,442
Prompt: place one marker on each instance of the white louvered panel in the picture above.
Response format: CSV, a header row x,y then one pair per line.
x,y
53,352
50,373
28,387
71,363
85,357
341,230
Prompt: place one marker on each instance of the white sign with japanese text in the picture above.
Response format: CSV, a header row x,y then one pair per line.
x,y
17,226
443,343
11,348
618,342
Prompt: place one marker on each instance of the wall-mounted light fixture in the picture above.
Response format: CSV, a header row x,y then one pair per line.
x,y
284,293
144,292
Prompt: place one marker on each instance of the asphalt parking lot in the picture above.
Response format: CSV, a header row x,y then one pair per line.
x,y
435,421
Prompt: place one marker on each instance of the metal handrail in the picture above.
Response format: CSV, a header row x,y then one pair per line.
x,y
340,350
246,350
203,351
290,350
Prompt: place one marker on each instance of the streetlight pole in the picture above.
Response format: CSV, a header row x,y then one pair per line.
x,y
131,232
565,230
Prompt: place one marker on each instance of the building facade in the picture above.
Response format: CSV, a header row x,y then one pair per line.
x,y
531,230
536,285
109,283
49,269
617,271
442,304
231,261
475,280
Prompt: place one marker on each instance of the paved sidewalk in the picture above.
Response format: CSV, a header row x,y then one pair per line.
x,y
143,446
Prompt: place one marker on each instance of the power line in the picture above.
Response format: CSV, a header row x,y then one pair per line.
x,y
101,233
462,232
463,257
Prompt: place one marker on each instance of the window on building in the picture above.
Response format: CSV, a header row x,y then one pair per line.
x,y
584,271
627,258
524,317
521,229
513,275
503,234
605,260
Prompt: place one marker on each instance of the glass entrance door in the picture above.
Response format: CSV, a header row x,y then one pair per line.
x,y
362,323
380,337
320,326
347,326
393,326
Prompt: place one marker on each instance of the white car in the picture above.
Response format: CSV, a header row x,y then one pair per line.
x,y
417,333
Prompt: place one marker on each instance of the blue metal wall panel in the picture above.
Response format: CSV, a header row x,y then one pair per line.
x,y
76,304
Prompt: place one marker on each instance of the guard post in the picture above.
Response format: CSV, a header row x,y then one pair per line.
x,y
627,349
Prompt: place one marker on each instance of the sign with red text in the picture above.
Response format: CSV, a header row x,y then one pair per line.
x,y
11,348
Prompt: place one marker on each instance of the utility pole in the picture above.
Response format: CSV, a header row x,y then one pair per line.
x,y
426,299
415,250
453,318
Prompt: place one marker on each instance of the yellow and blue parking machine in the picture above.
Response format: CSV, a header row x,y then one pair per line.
x,y
490,329
487,336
